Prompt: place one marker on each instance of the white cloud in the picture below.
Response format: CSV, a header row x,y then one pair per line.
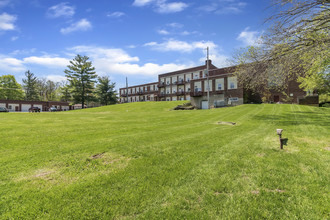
x,y
7,22
56,78
116,14
163,32
47,61
171,7
132,46
149,69
61,10
224,7
186,33
82,25
162,6
112,55
180,46
249,37
14,38
10,64
118,61
140,3
175,25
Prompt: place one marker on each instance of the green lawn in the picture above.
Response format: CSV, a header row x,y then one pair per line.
x,y
141,160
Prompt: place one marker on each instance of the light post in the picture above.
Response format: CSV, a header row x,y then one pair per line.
x,y
207,78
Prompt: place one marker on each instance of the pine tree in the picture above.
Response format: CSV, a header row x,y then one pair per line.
x,y
105,91
81,76
30,86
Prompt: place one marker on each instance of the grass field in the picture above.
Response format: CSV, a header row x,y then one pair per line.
x,y
141,160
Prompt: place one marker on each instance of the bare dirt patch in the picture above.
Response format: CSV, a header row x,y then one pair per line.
x,y
96,156
43,174
226,123
255,192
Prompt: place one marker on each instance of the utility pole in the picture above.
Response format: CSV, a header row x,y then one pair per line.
x,y
208,82
126,90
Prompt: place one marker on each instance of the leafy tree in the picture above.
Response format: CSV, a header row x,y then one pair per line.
x,y
10,88
81,76
106,91
42,88
30,86
51,87
296,47
65,92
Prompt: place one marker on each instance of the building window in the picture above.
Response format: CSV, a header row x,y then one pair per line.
x,y
219,86
232,83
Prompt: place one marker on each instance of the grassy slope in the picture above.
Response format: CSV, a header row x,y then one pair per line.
x,y
158,163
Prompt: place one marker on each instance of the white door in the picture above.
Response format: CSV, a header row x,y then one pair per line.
x,y
39,106
25,107
205,105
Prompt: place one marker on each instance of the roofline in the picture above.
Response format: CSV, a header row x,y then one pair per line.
x,y
146,84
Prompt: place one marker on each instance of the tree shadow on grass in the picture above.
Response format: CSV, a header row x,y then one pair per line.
x,y
297,118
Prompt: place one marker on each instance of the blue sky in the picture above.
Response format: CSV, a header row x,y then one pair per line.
x,y
135,38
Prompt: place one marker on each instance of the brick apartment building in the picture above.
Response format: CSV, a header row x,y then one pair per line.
x,y
191,84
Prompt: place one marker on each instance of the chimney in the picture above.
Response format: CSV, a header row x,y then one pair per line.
x,y
210,61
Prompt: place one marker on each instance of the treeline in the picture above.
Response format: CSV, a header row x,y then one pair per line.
x,y
82,86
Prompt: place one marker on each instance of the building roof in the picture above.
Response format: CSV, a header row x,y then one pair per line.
x,y
146,84
211,66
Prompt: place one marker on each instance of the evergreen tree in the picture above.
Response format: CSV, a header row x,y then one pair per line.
x,y
106,91
81,76
10,89
30,86
65,92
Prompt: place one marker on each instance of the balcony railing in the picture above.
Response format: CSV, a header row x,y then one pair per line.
x,y
181,82
140,92
180,92
162,84
161,95
196,93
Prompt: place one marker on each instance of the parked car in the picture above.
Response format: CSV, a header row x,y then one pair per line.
x,y
3,109
52,109
34,109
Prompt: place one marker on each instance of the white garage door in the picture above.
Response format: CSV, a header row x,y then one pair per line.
x,y
65,108
25,107
39,106
2,105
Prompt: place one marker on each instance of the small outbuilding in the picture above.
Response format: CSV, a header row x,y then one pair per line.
x,y
24,106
